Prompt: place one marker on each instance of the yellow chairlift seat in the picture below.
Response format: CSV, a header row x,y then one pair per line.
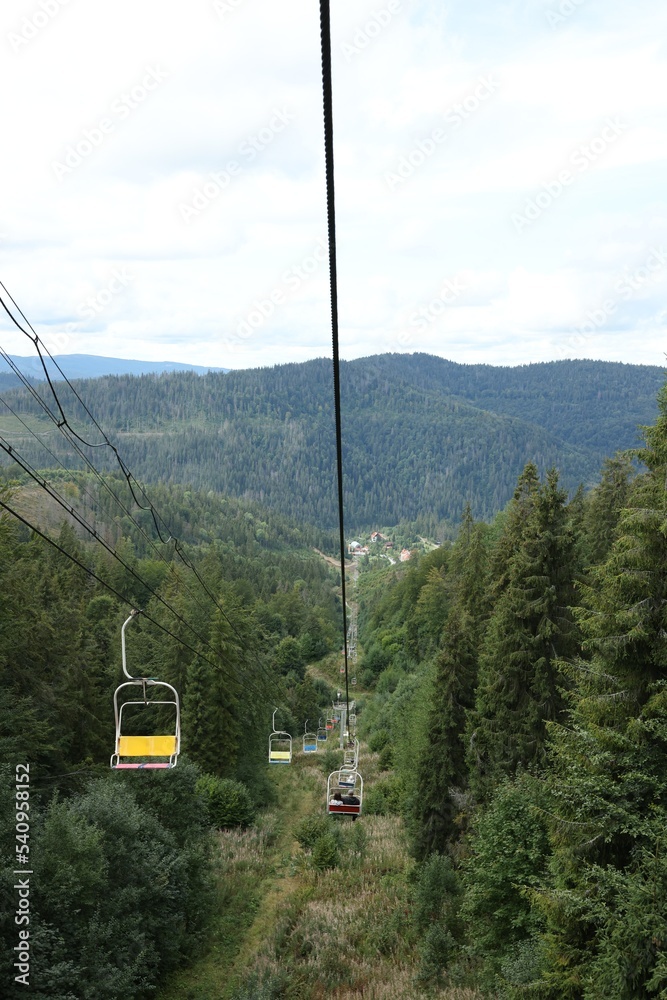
x,y
152,746
280,745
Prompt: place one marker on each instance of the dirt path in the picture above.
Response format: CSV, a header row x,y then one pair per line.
x,y
351,569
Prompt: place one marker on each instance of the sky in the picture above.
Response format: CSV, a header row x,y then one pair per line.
x,y
500,178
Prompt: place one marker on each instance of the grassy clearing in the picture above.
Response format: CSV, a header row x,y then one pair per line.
x,y
292,928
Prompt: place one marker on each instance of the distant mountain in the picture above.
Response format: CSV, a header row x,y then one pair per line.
x,y
92,366
421,436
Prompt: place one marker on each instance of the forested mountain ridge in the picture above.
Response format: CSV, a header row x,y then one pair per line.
x,y
94,366
421,436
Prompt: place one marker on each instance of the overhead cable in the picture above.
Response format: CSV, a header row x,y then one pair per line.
x,y
325,33
65,427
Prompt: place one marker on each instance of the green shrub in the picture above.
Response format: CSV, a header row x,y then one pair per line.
x,y
386,760
437,949
310,830
437,888
228,803
389,680
385,798
331,761
379,740
358,841
325,852
258,988
509,856
437,897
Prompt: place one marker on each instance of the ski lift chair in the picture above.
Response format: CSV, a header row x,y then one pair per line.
x,y
321,733
354,785
346,777
309,741
280,745
351,755
166,747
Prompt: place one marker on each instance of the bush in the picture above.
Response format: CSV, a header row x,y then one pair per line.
x,y
386,761
110,874
379,740
509,856
273,987
385,798
436,889
331,761
389,680
310,830
325,693
325,852
227,802
358,841
436,952
437,897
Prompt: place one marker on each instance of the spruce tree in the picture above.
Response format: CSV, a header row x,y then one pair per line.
x,y
515,521
531,627
603,507
442,770
608,909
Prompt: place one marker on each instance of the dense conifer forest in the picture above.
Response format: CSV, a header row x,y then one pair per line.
x,y
521,680
124,870
511,690
423,436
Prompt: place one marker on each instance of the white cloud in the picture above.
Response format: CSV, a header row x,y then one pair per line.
x,y
228,71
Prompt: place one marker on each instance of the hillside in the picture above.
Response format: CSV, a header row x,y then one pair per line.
x,y
422,436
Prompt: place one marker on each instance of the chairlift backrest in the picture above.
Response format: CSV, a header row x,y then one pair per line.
x,y
280,747
310,742
149,745
354,788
